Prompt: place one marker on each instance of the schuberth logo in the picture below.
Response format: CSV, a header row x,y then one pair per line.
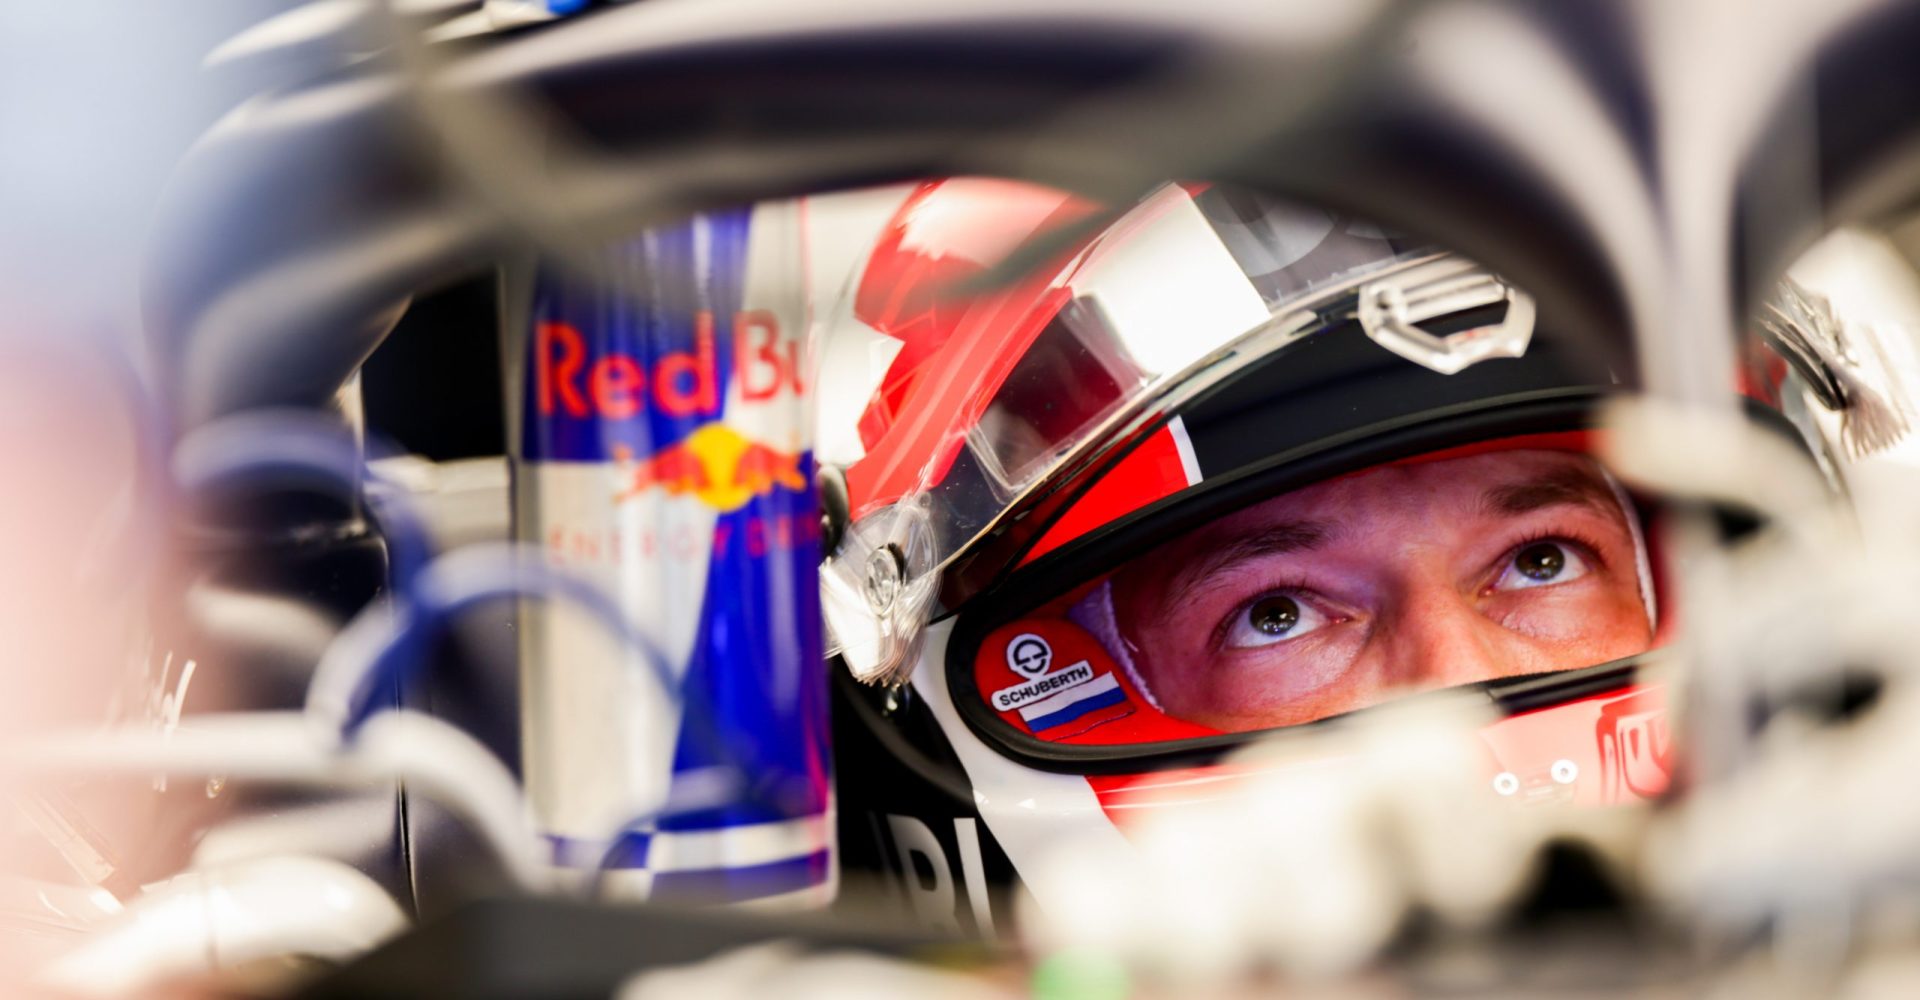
x,y
1055,704
1029,655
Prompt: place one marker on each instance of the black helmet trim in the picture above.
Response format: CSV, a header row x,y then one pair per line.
x,y
1316,391
1464,423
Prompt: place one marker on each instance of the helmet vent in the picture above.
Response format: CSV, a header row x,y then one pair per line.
x,y
1392,308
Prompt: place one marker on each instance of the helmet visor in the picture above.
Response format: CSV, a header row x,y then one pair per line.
x,y
981,395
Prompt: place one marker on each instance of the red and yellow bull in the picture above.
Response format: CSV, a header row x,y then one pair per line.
x,y
664,452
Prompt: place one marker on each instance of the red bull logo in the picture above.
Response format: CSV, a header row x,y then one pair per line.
x,y
583,385
716,465
615,385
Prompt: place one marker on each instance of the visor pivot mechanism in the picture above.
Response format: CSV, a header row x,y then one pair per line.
x,y
877,591
1391,309
886,569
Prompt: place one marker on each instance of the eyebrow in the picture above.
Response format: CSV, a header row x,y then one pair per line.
x,y
1564,486
1273,540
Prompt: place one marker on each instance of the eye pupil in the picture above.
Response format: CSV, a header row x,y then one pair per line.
x,y
1274,615
1543,561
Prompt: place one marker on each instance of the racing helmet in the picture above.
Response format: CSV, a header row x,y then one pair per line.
x,y
1129,487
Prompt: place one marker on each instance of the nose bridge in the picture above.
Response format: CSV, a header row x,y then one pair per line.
x,y
1438,638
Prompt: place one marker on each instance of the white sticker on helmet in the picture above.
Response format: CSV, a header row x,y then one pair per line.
x,y
1040,689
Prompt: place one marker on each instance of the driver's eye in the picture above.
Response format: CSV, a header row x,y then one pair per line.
x,y
1273,618
1538,564
1275,615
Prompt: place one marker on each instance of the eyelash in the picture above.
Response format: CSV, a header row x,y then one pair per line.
x,y
1298,589
1588,548
1301,590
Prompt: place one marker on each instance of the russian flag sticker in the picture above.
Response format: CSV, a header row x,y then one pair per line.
x,y
1061,695
1077,708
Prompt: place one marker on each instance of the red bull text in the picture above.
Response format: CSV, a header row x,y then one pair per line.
x,y
664,453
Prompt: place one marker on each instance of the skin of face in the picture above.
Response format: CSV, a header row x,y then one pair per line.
x,y
1397,579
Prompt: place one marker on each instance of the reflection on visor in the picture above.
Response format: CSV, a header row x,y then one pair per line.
x,y
986,393
1424,574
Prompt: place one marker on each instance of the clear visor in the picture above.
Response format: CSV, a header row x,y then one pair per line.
x,y
1041,363
954,388
1169,286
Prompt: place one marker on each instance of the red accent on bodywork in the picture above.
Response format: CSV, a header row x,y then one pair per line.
x,y
1618,742
1121,795
1636,746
